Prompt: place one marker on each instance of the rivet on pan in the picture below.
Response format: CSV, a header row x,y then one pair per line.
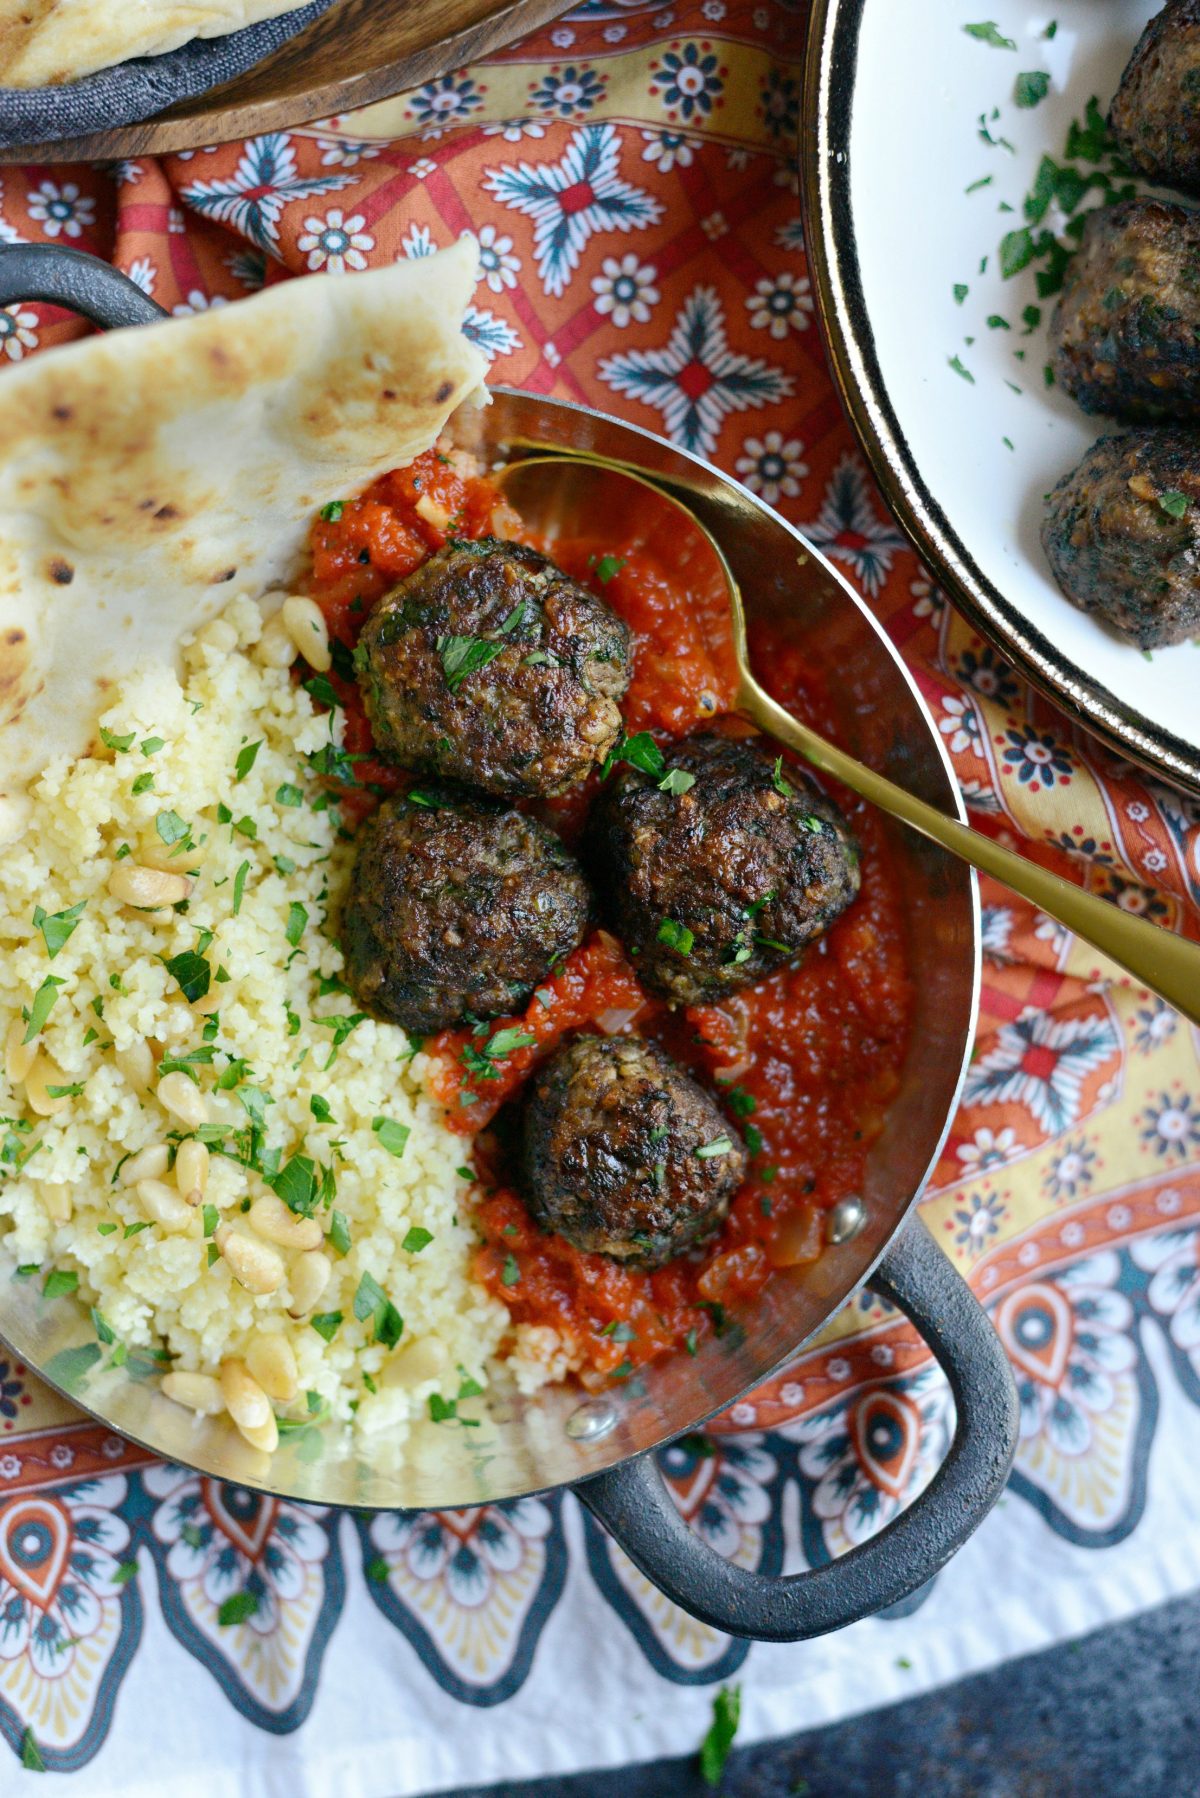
x,y
591,1420
846,1219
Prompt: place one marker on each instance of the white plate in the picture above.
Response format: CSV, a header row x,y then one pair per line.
x,y
897,89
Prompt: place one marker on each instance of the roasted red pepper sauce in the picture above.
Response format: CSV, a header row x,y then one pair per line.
x,y
805,1062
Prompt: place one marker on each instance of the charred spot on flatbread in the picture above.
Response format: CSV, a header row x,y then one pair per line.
x,y
60,572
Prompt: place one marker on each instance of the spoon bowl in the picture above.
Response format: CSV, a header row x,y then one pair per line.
x,y
560,496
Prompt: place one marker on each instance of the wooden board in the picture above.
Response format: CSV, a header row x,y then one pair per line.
x,y
358,52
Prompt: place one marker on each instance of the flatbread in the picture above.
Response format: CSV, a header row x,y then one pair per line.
x,y
149,474
46,42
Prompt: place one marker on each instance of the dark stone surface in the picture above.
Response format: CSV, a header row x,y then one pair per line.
x,y
1114,1715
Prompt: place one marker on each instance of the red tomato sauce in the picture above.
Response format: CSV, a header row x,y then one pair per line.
x,y
805,1062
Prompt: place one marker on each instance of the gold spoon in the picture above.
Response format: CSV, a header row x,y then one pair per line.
x,y
565,494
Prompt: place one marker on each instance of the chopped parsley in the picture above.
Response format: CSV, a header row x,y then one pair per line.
x,y
289,795
43,1005
988,32
676,780
608,567
959,368
171,828
1173,503
59,1281
191,973
333,511
464,655
416,1239
327,1324
237,1608
239,887
57,927
320,1109
321,688
118,744
777,781
640,751
727,1705
296,922
511,1272
1031,88
143,784
431,801
740,1102
372,1303
392,1136
296,1185
339,1232
676,936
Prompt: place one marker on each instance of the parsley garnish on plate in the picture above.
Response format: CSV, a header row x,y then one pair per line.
x,y
372,1302
1173,503
392,1136
988,32
43,1004
1031,88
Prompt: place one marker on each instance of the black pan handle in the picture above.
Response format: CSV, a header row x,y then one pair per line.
x,y
72,278
634,1506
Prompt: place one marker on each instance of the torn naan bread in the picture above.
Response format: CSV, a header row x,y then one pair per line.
x,y
46,42
149,474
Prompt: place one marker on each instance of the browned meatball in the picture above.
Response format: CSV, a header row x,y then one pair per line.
x,y
1122,533
624,1154
456,906
1155,117
715,885
1124,335
492,666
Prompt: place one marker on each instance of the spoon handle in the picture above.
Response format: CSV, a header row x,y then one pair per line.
x,y
1167,964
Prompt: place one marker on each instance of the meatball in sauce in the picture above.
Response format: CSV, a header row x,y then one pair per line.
x,y
624,1154
457,907
721,870
491,666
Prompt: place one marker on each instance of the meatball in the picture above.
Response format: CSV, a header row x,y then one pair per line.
x,y
721,871
456,905
624,1154
492,666
1123,337
1155,117
1122,533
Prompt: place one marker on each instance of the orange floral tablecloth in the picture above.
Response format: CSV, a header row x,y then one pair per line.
x,y
630,174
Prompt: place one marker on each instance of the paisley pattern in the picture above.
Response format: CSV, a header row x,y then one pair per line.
x,y
629,173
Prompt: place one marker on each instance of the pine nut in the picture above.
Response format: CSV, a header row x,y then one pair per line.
x,y
19,1056
245,1400
191,1171
178,1095
168,858
423,1359
271,1361
275,648
308,1280
150,1163
305,623
147,888
272,1219
198,1391
264,1437
254,1265
164,1207
136,1063
42,1075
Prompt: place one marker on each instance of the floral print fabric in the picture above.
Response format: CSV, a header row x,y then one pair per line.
x,y
630,176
